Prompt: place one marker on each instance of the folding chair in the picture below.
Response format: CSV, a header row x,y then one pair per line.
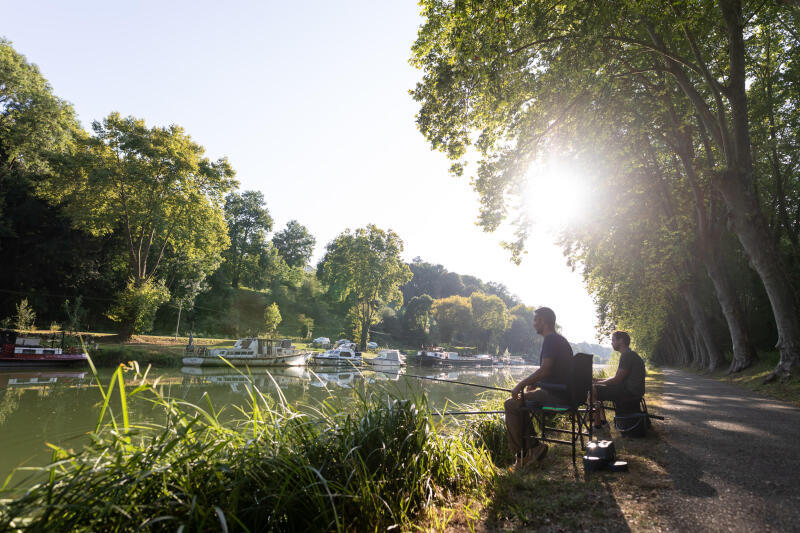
x,y
575,405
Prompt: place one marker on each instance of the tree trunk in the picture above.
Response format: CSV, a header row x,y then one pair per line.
x,y
744,354
364,335
751,228
702,323
749,223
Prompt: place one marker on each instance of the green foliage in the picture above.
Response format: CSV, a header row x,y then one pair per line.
x,y
306,326
453,316
137,305
490,316
272,317
365,267
295,244
25,316
34,124
417,319
154,187
248,222
76,314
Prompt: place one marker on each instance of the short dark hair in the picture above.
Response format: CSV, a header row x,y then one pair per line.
x,y
623,336
548,315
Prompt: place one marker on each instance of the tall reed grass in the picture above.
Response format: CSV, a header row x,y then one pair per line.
x,y
369,463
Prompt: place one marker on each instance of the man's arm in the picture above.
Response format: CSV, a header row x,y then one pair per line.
x,y
536,377
619,377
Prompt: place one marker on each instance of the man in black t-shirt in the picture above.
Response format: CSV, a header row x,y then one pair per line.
x,y
555,363
627,383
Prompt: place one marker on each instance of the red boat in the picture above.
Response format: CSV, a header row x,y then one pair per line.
x,y
28,352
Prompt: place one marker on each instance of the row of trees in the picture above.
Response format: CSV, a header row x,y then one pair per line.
x,y
687,114
139,229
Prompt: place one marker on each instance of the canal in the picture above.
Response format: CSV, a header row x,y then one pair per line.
x,y
61,406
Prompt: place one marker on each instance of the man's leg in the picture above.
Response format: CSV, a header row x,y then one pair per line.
x,y
516,422
599,412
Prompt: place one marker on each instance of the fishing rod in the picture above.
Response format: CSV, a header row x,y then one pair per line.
x,y
445,380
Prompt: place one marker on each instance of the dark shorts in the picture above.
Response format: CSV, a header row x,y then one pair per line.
x,y
615,393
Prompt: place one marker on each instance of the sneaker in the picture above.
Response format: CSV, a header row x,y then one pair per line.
x,y
533,456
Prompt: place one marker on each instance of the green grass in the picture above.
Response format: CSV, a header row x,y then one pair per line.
x,y
787,390
368,462
557,495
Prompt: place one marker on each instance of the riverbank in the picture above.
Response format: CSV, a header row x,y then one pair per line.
x,y
559,496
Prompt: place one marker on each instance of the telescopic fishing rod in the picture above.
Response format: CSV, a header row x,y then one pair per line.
x,y
445,380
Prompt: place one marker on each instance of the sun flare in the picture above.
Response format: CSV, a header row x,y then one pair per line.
x,y
556,193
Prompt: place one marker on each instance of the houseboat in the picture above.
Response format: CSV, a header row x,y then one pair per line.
x,y
249,351
20,351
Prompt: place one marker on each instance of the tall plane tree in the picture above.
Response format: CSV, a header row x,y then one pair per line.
x,y
513,76
154,186
364,266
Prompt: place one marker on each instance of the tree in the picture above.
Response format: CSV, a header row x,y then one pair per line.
x,y
521,337
490,316
25,316
365,267
155,187
417,319
295,244
453,316
272,317
249,222
524,76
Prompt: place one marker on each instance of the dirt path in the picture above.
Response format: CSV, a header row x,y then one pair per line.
x,y
733,456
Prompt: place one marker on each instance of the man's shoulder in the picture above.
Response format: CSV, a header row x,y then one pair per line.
x,y
556,341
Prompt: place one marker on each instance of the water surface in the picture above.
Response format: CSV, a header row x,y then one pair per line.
x,y
61,406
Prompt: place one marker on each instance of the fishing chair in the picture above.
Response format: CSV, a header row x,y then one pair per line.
x,y
575,405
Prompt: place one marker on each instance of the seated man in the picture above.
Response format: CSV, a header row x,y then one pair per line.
x,y
554,368
627,383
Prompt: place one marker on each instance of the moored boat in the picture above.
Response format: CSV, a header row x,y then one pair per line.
x,y
19,351
249,351
386,359
338,357
439,357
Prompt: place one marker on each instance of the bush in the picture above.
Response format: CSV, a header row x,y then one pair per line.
x,y
137,304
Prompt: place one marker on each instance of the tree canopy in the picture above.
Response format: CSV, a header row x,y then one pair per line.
x,y
365,266
582,80
295,244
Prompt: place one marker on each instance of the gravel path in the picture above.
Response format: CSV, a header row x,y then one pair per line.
x,y
733,456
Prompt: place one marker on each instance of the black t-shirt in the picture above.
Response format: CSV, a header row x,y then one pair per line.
x,y
634,381
556,347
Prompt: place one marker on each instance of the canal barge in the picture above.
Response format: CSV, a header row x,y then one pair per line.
x,y
18,351
247,352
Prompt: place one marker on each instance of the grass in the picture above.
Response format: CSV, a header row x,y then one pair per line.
x,y
369,462
787,390
559,496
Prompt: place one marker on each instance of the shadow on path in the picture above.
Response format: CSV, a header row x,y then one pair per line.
x,y
732,456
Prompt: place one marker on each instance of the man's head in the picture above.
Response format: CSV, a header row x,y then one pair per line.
x,y
620,340
544,320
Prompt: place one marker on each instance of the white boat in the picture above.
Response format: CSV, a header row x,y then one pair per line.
x,y
386,359
249,351
338,357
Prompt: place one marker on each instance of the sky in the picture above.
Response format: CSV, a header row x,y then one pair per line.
x,y
310,103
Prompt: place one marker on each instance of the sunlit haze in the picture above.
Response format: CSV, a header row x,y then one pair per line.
x,y
310,104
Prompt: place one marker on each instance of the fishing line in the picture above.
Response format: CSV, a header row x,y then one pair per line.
x,y
445,380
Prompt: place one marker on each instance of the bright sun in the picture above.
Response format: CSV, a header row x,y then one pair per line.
x,y
556,193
